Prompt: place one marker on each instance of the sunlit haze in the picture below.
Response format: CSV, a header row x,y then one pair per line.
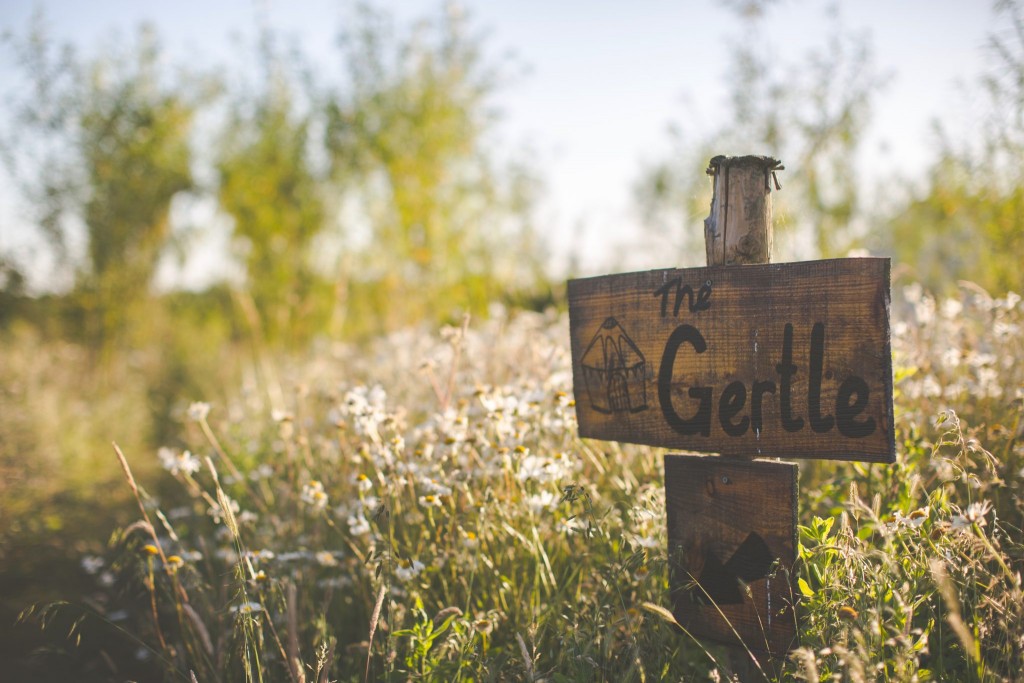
x,y
591,87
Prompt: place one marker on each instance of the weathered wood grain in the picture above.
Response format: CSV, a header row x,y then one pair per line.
x,y
779,360
732,547
738,229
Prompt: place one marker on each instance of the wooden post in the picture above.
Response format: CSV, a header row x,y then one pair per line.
x,y
743,358
739,228
732,540
738,231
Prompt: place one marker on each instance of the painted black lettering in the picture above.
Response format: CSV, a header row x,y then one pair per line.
x,y
663,293
847,412
786,370
729,404
700,423
819,423
686,291
703,296
699,302
760,389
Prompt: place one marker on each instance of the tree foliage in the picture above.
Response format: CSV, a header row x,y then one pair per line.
x,y
449,223
35,148
810,113
134,135
371,200
112,137
270,188
967,220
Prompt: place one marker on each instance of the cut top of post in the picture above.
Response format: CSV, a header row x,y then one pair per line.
x,y
739,228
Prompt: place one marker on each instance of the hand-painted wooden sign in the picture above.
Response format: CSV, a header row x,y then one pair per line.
x,y
732,544
783,360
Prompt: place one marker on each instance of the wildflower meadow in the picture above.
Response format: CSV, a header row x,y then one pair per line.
x,y
421,508
286,390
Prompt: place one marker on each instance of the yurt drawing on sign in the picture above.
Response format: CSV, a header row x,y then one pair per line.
x,y
615,371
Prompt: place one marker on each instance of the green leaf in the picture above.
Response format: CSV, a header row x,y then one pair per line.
x,y
823,526
805,589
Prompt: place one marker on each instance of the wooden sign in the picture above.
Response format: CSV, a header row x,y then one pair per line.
x,y
782,360
732,546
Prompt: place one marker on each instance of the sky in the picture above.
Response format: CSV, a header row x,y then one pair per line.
x,y
596,84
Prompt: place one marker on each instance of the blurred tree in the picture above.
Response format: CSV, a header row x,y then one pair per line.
x,y
134,136
967,221
38,148
449,225
114,143
269,186
811,114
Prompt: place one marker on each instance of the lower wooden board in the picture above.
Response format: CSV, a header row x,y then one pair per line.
x,y
732,547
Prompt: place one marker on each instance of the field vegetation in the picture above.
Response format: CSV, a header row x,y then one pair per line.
x,y
356,458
